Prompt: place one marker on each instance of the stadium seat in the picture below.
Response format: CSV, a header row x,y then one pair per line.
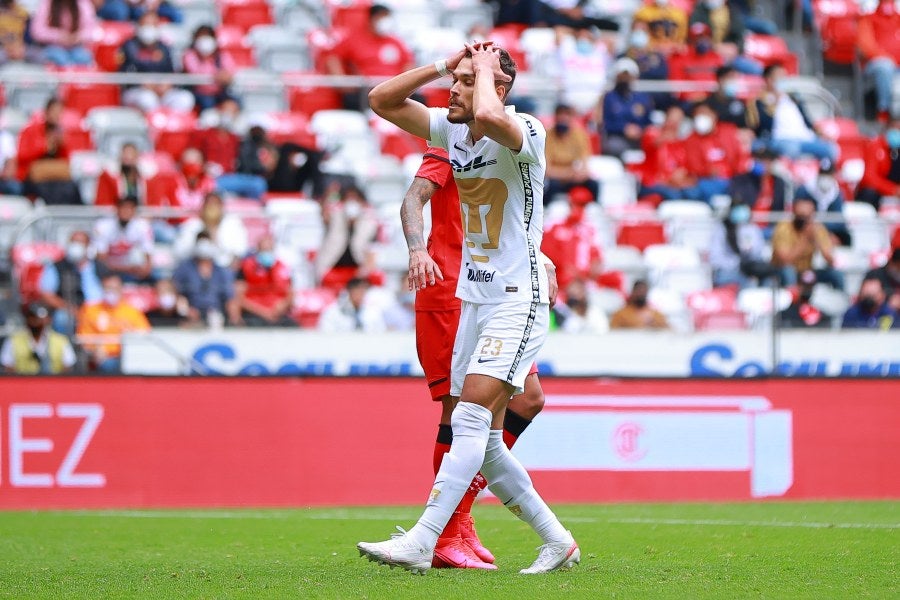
x,y
539,46
677,268
171,130
770,50
626,260
830,301
259,91
291,127
28,260
31,90
839,38
606,299
81,97
671,303
86,167
279,49
868,232
309,304
464,15
347,136
309,100
108,38
716,309
244,14
142,297
12,209
12,119
641,235
113,126
297,222
198,12
351,15
758,303
507,37
231,42
385,181
396,142
434,43
688,223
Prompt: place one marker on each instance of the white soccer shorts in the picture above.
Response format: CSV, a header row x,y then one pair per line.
x,y
498,340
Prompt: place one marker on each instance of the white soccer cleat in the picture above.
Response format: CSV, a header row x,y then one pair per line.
x,y
553,556
399,551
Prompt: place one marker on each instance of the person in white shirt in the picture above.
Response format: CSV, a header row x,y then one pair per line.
x,y
353,310
123,243
226,231
497,156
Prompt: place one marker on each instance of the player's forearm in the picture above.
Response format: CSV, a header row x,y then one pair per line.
x,y
486,104
411,213
392,94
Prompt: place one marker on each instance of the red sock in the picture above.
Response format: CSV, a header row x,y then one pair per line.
x,y
442,445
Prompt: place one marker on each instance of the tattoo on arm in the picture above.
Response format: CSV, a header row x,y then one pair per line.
x,y
411,218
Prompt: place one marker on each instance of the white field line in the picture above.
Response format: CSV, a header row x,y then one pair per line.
x,y
387,515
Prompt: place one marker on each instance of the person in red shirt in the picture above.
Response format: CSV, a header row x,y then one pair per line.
x,y
572,244
698,62
264,288
218,143
882,174
714,156
433,273
371,52
879,45
663,173
42,138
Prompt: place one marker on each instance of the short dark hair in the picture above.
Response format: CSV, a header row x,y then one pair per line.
x,y
701,104
129,199
376,10
357,282
767,72
562,107
895,255
725,71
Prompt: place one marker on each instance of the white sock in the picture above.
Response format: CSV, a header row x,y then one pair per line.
x,y
471,424
509,481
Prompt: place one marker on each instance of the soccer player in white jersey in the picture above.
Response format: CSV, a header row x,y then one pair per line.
x,y
498,163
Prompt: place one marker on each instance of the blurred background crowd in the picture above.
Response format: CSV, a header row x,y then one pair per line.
x,y
712,164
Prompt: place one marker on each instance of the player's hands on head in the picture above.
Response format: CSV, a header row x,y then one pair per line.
x,y
486,55
423,271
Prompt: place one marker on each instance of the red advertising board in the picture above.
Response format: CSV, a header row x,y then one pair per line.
x,y
183,442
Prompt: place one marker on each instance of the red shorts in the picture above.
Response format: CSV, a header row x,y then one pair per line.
x,y
435,335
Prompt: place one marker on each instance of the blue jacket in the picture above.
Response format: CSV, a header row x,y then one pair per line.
x,y
619,110
883,318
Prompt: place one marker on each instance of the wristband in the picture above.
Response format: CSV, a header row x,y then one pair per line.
x,y
441,66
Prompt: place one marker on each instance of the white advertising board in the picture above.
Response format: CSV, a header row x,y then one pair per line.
x,y
625,354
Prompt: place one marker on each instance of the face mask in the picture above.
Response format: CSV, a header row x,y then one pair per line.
x,y
703,124
75,252
758,169
167,301
111,297
639,39
204,249
639,301
781,86
384,26
584,46
714,4
893,138
868,304
703,46
739,214
266,259
826,183
561,128
205,45
800,223
352,209
730,88
148,34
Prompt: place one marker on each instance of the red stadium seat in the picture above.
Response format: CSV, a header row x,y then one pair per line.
x,y
839,39
507,37
245,14
231,41
310,99
82,97
28,264
171,131
109,37
716,309
350,15
142,297
309,304
291,127
75,135
641,234
770,50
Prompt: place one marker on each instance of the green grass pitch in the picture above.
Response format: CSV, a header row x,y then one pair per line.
x,y
746,550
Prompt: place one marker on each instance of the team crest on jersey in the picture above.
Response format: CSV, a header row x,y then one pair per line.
x,y
473,165
434,494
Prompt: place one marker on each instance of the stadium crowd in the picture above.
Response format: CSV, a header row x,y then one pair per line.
x,y
230,203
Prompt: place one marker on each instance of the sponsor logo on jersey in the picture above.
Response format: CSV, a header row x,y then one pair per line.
x,y
473,165
479,276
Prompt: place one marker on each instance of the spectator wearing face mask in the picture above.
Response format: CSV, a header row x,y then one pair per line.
x,y
576,314
204,57
762,187
652,63
355,309
781,124
879,46
216,140
882,175
126,180
871,309
736,250
351,227
826,192
171,310
101,325
257,159
36,349
226,232
373,51
801,314
713,156
664,175
124,243
191,184
637,314
207,287
624,112
146,53
67,284
698,61
584,66
795,243
568,150
889,275
668,22
725,102
264,288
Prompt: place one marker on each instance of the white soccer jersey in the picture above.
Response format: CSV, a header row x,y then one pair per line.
x,y
501,195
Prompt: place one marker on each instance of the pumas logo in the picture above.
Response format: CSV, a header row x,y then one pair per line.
x,y
479,276
473,165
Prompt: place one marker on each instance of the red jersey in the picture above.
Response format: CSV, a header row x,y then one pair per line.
x,y
265,286
715,155
445,240
571,246
364,53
